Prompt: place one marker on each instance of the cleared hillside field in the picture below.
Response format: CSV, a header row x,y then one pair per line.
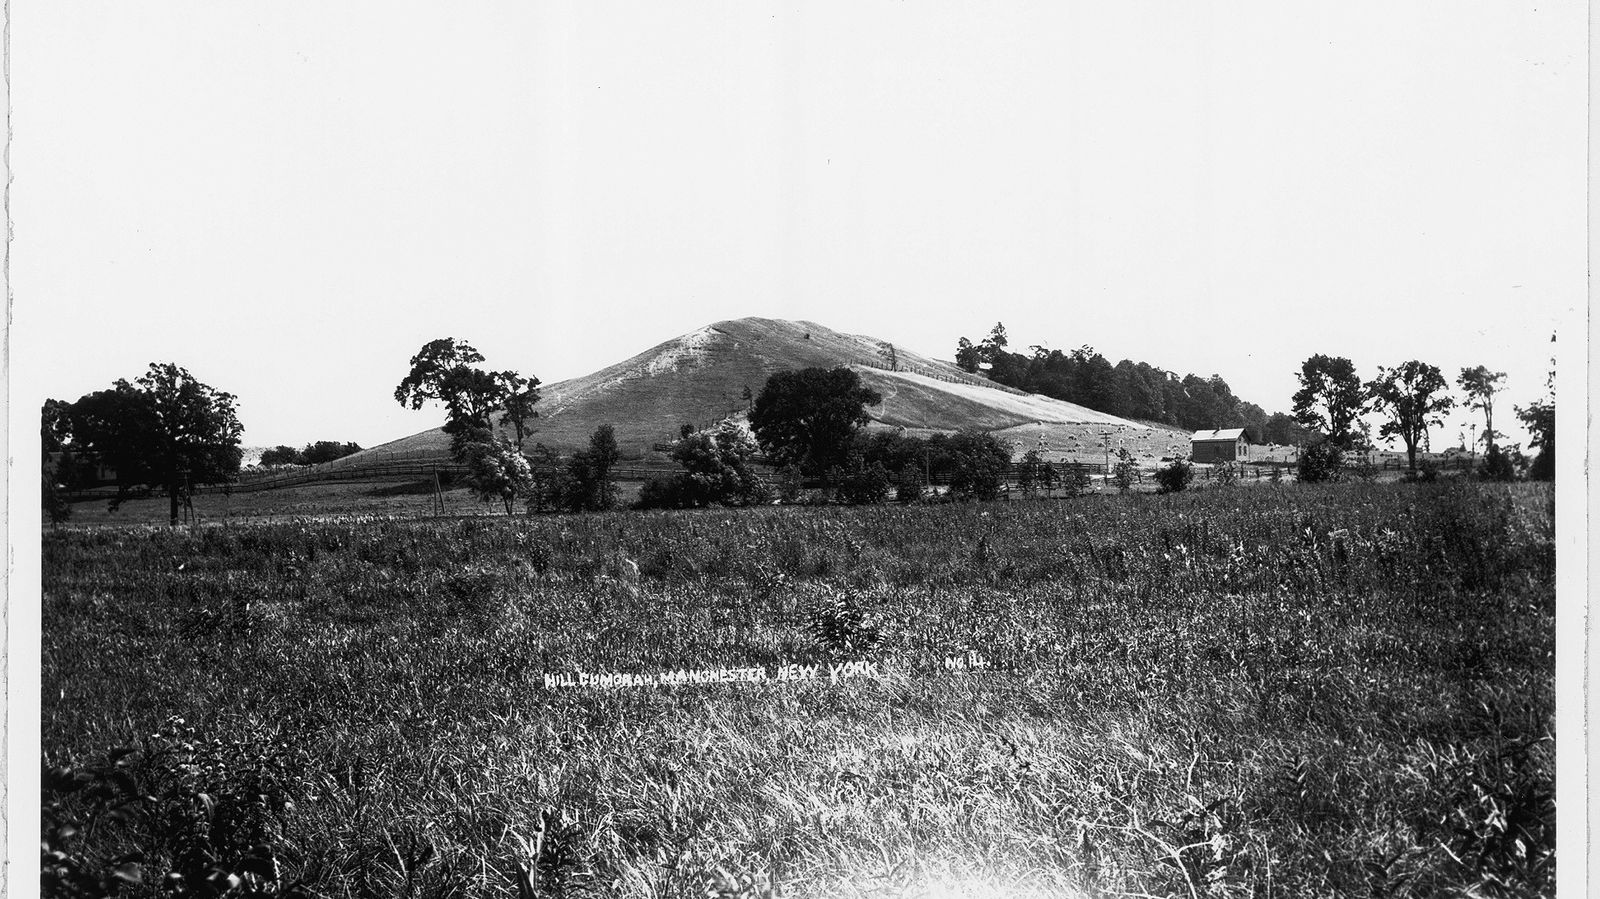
x,y
1281,691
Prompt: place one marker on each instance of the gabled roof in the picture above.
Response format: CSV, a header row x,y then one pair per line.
x,y
1219,434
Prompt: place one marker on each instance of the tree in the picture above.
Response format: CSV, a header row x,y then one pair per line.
x,y
1281,429
165,431
1330,398
909,483
1480,384
519,406
327,451
1125,471
544,478
312,454
587,486
1319,462
498,470
444,371
863,483
808,417
718,469
1034,472
974,462
1410,395
1540,419
967,356
281,455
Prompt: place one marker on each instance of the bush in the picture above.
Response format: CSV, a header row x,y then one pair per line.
x,y
1175,477
864,484
498,471
1126,471
1034,472
908,484
717,470
1319,462
1497,466
790,483
662,493
1225,474
975,461
1077,480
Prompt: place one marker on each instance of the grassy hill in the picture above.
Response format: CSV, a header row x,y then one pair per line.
x,y
701,378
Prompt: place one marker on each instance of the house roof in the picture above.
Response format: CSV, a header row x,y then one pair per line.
x,y
1219,434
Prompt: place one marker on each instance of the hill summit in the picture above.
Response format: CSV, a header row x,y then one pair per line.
x,y
702,377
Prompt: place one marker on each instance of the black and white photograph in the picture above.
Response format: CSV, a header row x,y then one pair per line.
x,y
713,450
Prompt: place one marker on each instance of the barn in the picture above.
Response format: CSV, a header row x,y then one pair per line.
x,y
1221,445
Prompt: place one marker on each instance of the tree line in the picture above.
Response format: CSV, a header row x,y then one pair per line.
x,y
310,454
1128,389
1410,400
1327,417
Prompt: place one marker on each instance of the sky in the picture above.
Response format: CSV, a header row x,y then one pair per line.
x,y
289,199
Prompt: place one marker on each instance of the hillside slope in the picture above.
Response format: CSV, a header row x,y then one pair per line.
x,y
701,377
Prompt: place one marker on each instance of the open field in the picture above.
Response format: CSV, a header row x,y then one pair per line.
x,y
1279,691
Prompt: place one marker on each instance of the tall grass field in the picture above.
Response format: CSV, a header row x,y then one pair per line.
x,y
1276,691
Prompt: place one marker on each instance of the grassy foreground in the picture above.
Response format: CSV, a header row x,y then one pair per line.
x,y
1266,692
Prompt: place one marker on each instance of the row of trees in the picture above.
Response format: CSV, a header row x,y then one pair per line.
x,y
1328,411
1128,389
311,454
1411,398
809,423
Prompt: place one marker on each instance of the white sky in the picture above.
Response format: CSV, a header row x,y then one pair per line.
x,y
290,198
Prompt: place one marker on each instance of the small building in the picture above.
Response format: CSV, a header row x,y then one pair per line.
x,y
1221,445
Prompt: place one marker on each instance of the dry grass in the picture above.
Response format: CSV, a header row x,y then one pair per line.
x,y
1285,692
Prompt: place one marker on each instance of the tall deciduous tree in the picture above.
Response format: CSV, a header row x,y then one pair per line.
x,y
1480,384
519,406
166,431
808,417
1330,398
445,371
1411,396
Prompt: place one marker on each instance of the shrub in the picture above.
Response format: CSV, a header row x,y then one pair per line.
x,y
864,484
908,484
662,493
842,627
1174,477
1319,462
790,483
1497,466
1077,480
1126,471
1225,474
498,471
717,471
975,460
1034,472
